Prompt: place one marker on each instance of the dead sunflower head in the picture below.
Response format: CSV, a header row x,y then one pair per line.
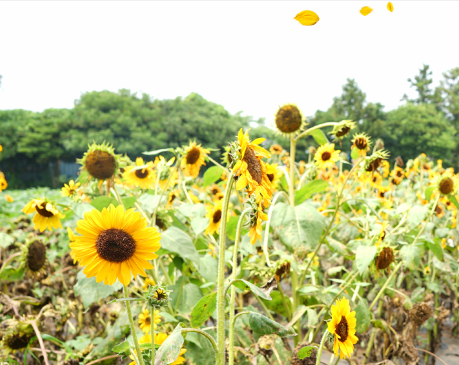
x,y
283,269
385,258
342,129
288,119
373,162
16,336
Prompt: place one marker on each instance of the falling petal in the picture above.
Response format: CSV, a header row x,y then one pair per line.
x,y
307,17
390,7
366,10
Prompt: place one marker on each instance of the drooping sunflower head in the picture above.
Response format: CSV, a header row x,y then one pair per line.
x,y
34,256
194,157
326,156
47,216
100,161
373,162
384,258
141,175
342,327
16,335
289,119
115,244
362,142
70,190
342,129
446,183
282,269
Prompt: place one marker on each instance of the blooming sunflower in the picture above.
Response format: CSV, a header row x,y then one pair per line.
x,y
362,143
274,174
251,170
193,160
142,175
3,183
326,156
145,320
172,196
70,189
288,119
214,213
114,244
47,215
276,149
397,175
214,190
446,183
9,198
342,326
257,221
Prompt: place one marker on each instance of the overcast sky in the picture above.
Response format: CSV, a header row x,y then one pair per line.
x,y
246,56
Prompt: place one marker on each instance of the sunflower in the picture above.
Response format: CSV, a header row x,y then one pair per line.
x,y
194,158
214,213
100,161
47,215
145,320
256,222
274,174
214,190
386,168
373,162
16,335
163,169
342,129
72,239
142,175
362,143
276,149
397,175
9,198
382,235
446,183
326,156
251,170
172,196
3,183
288,119
382,190
315,262
439,211
114,244
342,326
148,282
375,179
384,258
70,189
302,167
35,256
159,340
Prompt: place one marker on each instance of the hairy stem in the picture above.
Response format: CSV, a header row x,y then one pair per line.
x,y
131,322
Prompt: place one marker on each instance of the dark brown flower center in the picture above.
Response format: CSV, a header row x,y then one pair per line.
x,y
253,165
399,173
214,191
36,256
385,258
193,156
148,320
43,212
172,198
217,216
288,119
326,156
381,194
342,329
343,132
142,174
446,186
271,177
17,342
115,245
374,164
160,294
438,210
361,143
100,164
71,191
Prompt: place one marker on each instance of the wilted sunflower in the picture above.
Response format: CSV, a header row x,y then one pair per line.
x,y
384,258
282,269
70,189
142,177
16,335
446,183
251,170
194,158
362,143
276,149
145,320
214,213
289,119
373,162
34,254
47,215
342,129
326,156
100,161
114,244
342,326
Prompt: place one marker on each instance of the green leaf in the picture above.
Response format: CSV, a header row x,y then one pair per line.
x,y
231,228
246,285
92,291
313,319
264,326
102,202
122,347
355,153
199,225
79,343
184,297
453,200
307,289
312,187
5,240
149,202
175,240
305,352
203,309
208,268
81,208
170,349
212,175
362,315
416,214
337,246
428,192
364,257
155,152
411,256
436,248
300,310
11,274
129,202
319,136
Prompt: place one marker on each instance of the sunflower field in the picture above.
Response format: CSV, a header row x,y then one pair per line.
x,y
350,256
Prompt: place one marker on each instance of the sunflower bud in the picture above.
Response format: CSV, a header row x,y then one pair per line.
x,y
157,296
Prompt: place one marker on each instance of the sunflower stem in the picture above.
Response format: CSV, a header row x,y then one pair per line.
x,y
321,347
131,322
233,289
291,187
153,349
221,276
331,124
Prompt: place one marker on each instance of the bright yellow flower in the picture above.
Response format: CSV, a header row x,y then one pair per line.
x,y
9,198
342,325
326,156
46,214
145,320
3,183
390,7
115,244
70,189
274,174
446,183
366,10
315,262
307,17
148,281
194,159
143,178
214,213
256,229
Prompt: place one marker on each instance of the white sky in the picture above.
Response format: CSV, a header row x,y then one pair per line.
x,y
247,56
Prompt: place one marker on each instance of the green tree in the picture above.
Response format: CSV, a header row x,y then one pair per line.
x,y
11,122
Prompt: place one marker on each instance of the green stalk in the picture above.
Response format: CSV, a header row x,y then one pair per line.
x,y
233,289
291,187
296,303
153,349
221,276
321,347
331,124
131,322
206,335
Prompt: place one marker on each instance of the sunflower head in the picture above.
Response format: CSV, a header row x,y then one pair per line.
x,y
342,327
342,129
282,269
141,175
373,162
362,143
47,216
70,189
214,214
194,157
34,255
157,296
100,161
384,258
276,149
326,156
446,183
16,335
289,119
3,183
